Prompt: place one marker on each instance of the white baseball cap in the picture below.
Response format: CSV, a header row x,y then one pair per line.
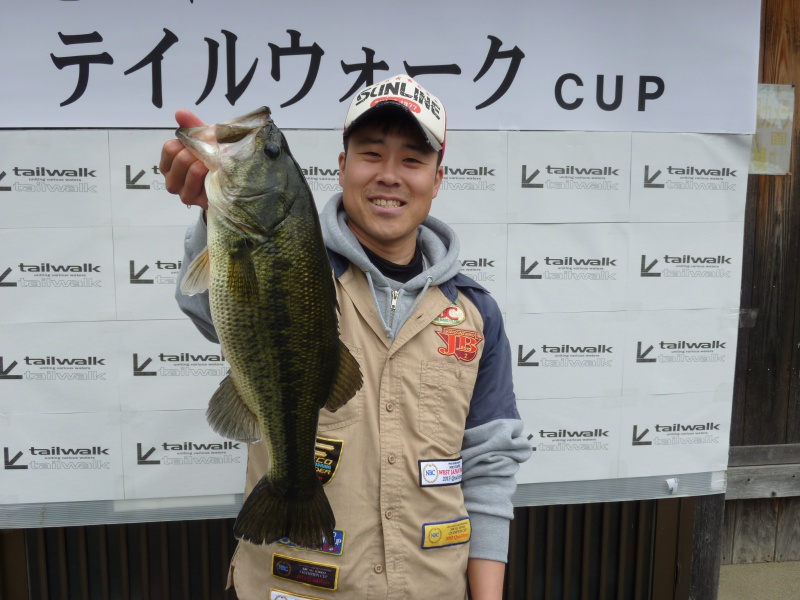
x,y
406,93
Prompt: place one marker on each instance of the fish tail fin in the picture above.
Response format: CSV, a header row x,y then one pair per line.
x,y
268,516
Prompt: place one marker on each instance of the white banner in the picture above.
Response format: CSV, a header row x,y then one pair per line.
x,y
59,368
614,65
167,365
54,180
606,320
175,454
51,275
568,177
558,268
60,458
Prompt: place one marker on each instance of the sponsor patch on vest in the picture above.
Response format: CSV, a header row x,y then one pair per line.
x,y
461,343
326,458
446,533
335,549
281,595
305,571
450,316
439,472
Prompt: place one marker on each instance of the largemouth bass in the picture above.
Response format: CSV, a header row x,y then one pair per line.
x,y
273,304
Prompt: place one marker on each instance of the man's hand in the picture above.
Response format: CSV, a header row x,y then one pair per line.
x,y
184,174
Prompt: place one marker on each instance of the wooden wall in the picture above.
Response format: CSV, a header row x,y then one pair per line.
x,y
766,403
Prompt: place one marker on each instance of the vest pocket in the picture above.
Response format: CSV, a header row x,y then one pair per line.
x,y
352,411
444,396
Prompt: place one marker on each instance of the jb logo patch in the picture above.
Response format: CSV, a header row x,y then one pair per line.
x,y
461,343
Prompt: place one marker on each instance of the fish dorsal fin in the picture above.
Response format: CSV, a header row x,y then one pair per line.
x,y
347,382
195,281
242,280
229,416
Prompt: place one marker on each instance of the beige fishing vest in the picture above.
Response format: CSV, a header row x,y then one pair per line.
x,y
389,461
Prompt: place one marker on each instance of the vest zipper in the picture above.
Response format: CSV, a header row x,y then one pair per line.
x,y
395,296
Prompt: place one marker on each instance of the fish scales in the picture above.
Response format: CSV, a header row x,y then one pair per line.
x,y
273,304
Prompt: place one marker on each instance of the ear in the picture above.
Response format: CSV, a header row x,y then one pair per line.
x,y
342,157
437,181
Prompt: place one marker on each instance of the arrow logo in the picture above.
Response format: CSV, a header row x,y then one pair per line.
x,y
526,181
525,272
137,277
645,271
9,463
142,458
648,181
130,184
138,370
640,356
522,361
4,373
4,188
637,440
7,283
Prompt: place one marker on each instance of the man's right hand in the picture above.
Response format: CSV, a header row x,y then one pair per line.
x,y
184,174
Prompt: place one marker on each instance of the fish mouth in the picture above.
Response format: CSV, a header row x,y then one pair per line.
x,y
205,140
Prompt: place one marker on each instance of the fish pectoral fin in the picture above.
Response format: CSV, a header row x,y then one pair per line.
x,y
347,382
195,281
242,280
229,416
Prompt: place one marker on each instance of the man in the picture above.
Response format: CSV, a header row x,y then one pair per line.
x,y
421,462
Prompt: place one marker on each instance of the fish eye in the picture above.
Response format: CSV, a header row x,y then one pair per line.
x,y
272,150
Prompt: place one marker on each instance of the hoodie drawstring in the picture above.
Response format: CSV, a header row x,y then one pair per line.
x,y
386,328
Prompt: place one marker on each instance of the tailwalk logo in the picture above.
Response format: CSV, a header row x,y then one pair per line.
x,y
322,179
690,177
569,268
55,457
473,178
53,275
165,272
682,352
479,269
4,282
566,355
571,177
183,364
189,453
571,440
56,368
52,180
677,434
686,266
135,182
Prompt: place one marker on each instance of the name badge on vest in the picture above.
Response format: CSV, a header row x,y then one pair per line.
x,y
304,571
434,473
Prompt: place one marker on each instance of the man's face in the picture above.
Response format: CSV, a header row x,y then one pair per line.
x,y
389,180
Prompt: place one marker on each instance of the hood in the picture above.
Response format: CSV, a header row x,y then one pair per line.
x,y
437,241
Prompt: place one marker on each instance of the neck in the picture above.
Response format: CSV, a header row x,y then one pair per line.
x,y
397,253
